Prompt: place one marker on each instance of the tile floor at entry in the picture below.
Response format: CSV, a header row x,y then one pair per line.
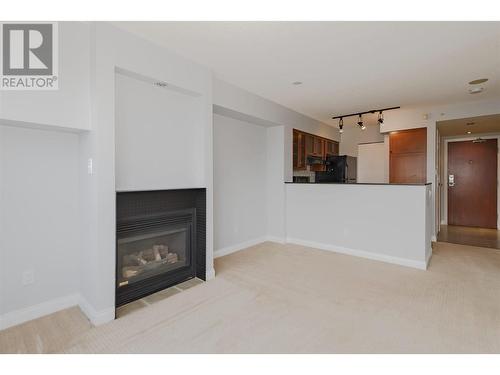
x,y
482,237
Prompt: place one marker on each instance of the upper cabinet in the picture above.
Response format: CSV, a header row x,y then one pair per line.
x,y
408,156
305,144
319,145
295,152
331,147
309,139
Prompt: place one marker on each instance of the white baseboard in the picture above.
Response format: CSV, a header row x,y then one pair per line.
x,y
96,317
243,245
210,274
433,238
428,257
421,265
280,240
26,314
234,248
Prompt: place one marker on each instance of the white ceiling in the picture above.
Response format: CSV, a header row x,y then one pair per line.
x,y
476,125
344,66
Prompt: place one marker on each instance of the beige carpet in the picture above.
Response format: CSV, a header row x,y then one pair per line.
x,y
49,334
290,299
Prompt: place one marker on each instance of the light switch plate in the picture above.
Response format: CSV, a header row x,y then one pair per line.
x,y
90,166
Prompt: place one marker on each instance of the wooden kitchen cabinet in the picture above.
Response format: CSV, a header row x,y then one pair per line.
x,y
309,139
331,148
299,145
305,144
408,156
318,146
299,150
295,149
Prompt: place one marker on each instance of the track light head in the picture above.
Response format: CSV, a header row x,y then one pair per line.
x,y
380,118
360,122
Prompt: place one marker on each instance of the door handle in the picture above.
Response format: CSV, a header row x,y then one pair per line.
x,y
451,180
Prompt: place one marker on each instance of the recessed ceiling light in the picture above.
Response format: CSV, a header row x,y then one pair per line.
x,y
476,90
478,81
469,132
296,83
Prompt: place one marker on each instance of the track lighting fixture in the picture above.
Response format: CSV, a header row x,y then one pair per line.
x,y
380,118
360,122
341,125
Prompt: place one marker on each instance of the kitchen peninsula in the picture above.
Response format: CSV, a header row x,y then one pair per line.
x,y
386,222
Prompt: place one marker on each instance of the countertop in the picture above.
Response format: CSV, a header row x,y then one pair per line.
x,y
358,183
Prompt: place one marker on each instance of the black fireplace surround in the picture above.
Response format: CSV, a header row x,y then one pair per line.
x,y
160,240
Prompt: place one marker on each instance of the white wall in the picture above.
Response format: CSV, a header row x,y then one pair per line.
x,y
238,106
242,101
68,107
39,222
158,142
277,168
268,113
383,222
40,169
373,162
113,49
240,181
280,122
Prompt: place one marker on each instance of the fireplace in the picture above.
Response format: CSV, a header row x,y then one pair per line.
x,y
160,241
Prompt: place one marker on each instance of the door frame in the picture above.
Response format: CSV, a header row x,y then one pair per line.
x,y
438,182
444,179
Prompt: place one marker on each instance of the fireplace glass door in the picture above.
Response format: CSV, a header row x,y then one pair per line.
x,y
144,255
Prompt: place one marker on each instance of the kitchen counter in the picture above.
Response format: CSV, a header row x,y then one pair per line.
x,y
358,183
386,222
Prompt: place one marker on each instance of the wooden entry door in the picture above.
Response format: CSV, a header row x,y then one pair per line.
x,y
472,195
